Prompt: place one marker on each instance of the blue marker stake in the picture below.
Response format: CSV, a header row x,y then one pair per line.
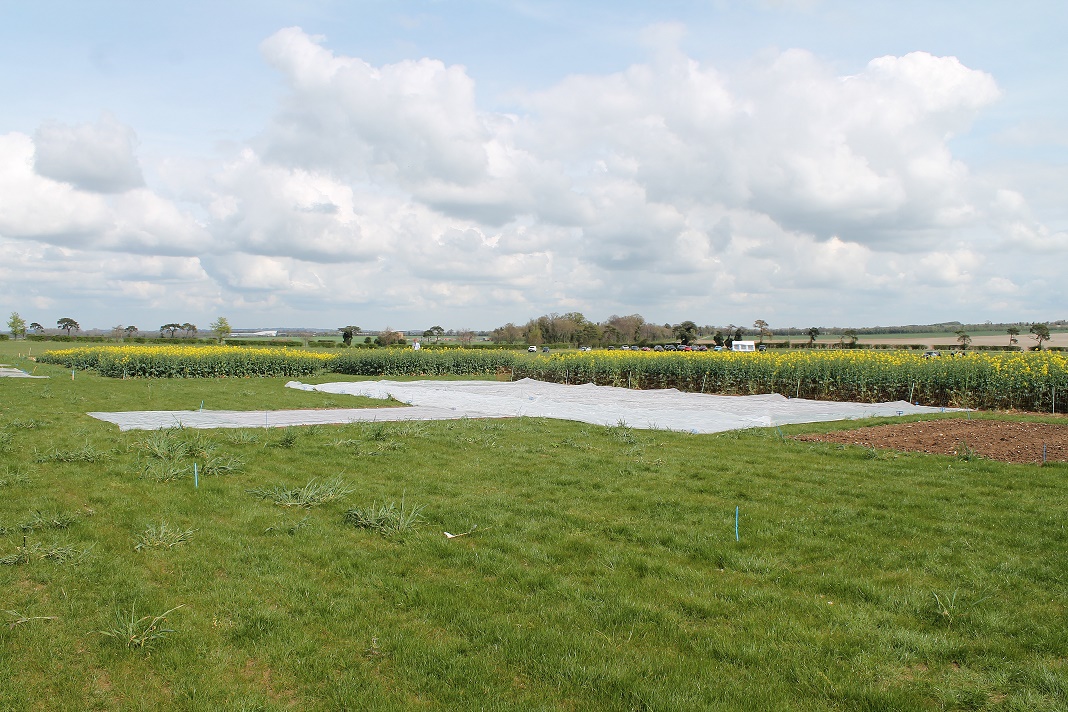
x,y
196,478
736,524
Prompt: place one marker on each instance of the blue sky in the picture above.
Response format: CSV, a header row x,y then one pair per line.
x,y
473,163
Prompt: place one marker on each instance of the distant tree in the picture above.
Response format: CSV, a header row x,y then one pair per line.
x,y
436,333
68,325
717,338
813,332
1041,333
534,336
465,336
189,329
131,331
221,328
1013,332
850,334
34,326
739,332
17,325
686,332
387,337
963,339
762,327
347,332
590,334
171,329
507,334
117,332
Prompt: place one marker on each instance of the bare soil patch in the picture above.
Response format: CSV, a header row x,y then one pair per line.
x,y
1007,441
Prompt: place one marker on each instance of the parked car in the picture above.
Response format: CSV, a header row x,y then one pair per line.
x,y
658,347
532,349
545,349
931,354
669,347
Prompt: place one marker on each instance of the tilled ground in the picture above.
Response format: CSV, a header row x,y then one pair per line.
x,y
993,439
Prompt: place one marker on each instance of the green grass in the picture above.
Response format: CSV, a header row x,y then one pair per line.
x,y
599,571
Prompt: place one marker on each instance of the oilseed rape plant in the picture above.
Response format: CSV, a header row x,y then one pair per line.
x,y
1027,381
188,361
1030,381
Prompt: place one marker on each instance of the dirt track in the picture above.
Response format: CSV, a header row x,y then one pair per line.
x,y
992,439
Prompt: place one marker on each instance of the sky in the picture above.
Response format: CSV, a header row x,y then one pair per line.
x,y
411,163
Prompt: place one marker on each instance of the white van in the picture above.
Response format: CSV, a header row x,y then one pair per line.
x,y
743,346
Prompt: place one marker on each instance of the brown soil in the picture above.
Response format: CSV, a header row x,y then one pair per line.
x,y
993,439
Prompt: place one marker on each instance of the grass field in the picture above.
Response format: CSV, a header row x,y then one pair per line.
x,y
599,567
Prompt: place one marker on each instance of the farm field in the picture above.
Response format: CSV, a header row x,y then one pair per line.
x,y
598,569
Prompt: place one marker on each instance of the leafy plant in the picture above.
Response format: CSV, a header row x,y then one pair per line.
x,y
137,632
312,494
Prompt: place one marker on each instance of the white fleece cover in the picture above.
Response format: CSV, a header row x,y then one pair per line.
x,y
668,409
608,405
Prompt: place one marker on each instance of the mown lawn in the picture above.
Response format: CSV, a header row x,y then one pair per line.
x,y
601,570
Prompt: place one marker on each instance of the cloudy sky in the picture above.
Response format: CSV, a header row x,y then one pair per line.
x,y
407,163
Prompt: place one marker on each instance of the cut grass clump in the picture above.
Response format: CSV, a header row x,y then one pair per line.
x,y
162,537
135,632
310,495
386,519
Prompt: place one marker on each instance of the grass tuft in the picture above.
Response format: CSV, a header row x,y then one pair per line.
x,y
312,494
18,619
135,632
386,519
87,453
165,445
162,537
53,520
165,471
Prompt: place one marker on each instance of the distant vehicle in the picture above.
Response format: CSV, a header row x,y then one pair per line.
x,y
545,349
744,346
718,348
762,347
658,347
669,347
585,348
931,354
532,349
